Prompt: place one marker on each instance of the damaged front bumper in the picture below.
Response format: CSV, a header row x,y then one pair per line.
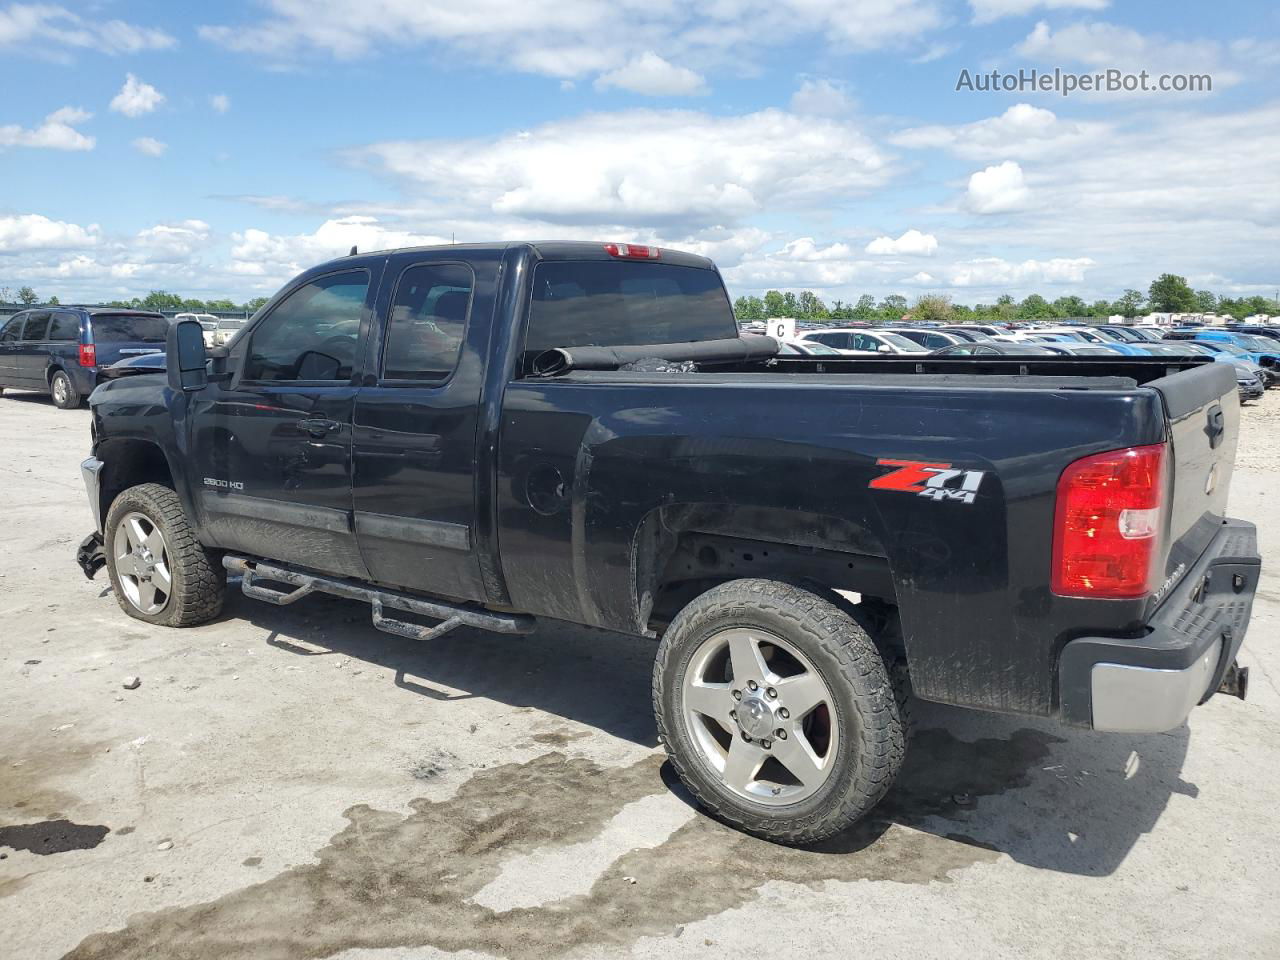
x,y
90,554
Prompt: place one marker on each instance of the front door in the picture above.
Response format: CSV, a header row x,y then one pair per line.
x,y
274,444
32,359
416,420
10,335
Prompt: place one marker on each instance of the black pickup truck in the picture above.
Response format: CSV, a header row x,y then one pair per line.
x,y
487,435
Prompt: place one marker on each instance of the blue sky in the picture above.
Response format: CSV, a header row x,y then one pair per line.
x,y
814,144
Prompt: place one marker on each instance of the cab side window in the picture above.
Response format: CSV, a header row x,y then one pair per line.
x,y
427,322
313,333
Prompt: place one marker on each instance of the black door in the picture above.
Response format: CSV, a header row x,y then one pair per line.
x,y
416,420
274,444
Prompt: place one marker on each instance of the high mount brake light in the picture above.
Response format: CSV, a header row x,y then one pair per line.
x,y
1108,523
632,251
88,355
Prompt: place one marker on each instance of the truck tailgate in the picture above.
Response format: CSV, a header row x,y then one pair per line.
x,y
1204,420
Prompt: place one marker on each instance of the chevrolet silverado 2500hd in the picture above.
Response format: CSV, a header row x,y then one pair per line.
x,y
487,435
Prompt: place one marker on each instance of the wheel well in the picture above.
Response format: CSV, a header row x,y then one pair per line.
x,y
695,561
127,464
53,368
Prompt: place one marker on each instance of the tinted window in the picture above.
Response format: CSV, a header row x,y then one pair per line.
x,y
65,326
37,327
13,329
122,328
617,302
312,334
428,316
862,341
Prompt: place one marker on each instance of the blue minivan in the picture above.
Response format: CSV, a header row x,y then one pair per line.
x,y
60,350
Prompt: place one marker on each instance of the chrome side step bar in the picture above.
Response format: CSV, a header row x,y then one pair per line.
x,y
450,615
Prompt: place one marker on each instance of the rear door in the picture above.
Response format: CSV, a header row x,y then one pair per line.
x,y
64,339
272,448
416,419
32,357
119,335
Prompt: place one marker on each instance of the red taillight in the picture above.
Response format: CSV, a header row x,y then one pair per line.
x,y
1107,527
88,355
632,251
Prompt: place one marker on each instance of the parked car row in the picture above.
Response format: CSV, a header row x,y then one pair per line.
x,y
1253,354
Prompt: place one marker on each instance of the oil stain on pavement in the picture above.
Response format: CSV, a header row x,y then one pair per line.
x,y
389,880
52,836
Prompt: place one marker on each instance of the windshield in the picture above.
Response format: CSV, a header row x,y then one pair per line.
x,y
1261,344
902,343
609,303
117,328
1228,348
1119,333
819,349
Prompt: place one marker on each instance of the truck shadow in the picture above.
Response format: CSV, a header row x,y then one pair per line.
x,y
1067,800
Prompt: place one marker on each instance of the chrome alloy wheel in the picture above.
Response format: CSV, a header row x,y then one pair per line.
x,y
760,715
60,392
142,563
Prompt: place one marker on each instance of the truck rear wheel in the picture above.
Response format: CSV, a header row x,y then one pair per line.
x,y
777,710
159,571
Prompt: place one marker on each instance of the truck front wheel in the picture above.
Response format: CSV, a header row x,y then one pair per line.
x,y
159,571
777,710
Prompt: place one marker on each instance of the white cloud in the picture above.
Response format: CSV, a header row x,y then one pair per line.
x,y
220,102
821,96
259,253
998,189
150,146
996,272
985,11
921,279
575,38
57,132
649,74
31,231
136,98
1022,131
38,26
173,242
1101,46
643,167
913,243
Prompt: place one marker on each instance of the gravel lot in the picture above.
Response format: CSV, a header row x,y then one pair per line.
x,y
288,782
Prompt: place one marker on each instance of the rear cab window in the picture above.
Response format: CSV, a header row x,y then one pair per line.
x,y
124,328
608,303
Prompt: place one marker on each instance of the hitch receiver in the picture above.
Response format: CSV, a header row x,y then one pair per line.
x,y
1235,682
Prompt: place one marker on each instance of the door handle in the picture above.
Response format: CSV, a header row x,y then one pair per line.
x,y
318,426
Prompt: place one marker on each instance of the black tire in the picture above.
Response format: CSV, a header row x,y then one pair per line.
x,y
872,739
63,391
199,583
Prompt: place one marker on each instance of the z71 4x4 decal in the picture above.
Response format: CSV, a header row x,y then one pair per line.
x,y
937,481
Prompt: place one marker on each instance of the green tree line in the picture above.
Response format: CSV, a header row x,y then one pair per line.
x,y
1168,293
155,300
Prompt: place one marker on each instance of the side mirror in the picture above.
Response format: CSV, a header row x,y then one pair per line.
x,y
884,348
185,357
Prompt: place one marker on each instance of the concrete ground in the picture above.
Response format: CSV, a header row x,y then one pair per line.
x,y
288,782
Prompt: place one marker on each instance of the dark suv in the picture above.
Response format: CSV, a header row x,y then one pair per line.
x,y
61,350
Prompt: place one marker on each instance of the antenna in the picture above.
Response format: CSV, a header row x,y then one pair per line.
x,y
353,251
